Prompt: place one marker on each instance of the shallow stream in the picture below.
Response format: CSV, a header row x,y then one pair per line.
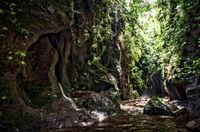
x,y
131,123
132,119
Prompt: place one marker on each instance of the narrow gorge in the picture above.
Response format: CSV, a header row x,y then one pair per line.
x,y
99,65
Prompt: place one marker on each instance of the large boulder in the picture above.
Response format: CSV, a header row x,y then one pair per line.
x,y
62,114
156,107
107,101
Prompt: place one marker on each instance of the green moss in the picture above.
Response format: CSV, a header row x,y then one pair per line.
x,y
134,94
156,101
92,75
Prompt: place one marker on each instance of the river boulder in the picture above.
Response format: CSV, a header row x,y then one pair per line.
x,y
106,101
156,107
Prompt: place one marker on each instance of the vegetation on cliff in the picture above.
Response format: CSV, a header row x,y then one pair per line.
x,y
111,47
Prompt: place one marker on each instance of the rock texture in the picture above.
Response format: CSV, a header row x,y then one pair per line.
x,y
107,102
155,85
194,124
58,49
156,107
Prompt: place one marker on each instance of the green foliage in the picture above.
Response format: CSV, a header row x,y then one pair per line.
x,y
157,33
152,40
151,32
138,82
156,101
189,68
16,57
176,18
15,19
19,19
143,34
132,42
87,76
134,94
93,73
14,15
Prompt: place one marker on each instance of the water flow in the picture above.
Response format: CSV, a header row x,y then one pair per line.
x,y
67,98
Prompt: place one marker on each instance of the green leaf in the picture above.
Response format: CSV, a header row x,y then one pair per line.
x,y
3,97
22,62
1,11
10,58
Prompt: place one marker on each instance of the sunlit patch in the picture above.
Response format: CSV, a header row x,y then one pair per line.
x,y
99,115
86,123
135,106
144,1
149,1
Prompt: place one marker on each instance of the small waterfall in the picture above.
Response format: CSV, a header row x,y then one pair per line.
x,y
67,98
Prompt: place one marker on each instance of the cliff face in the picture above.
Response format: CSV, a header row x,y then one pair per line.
x,y
59,44
182,79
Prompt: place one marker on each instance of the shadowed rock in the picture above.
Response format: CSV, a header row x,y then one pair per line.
x,y
156,107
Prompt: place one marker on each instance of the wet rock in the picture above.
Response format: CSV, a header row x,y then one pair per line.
x,y
156,107
194,107
106,101
62,114
179,112
193,88
172,107
194,124
179,103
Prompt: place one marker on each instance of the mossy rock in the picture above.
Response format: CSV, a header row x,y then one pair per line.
x,y
134,94
156,107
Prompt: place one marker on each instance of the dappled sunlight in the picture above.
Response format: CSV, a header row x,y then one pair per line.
x,y
135,106
149,1
100,65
